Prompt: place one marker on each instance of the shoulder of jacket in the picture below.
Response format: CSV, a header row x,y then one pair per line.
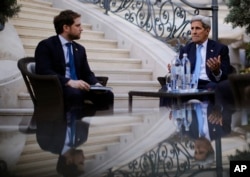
x,y
79,46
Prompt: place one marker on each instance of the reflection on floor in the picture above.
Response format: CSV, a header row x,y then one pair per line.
x,y
112,141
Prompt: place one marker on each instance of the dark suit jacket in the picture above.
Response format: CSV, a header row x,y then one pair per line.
x,y
215,131
50,59
213,50
50,135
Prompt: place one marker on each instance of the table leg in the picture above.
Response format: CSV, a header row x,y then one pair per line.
x,y
130,102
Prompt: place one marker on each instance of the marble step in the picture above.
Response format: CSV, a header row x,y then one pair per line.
x,y
125,74
107,63
86,42
39,8
35,3
40,23
91,52
26,30
124,86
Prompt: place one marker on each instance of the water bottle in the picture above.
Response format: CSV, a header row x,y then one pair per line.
x,y
186,77
175,73
178,121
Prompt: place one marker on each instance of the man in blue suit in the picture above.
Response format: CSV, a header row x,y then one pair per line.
x,y
215,61
60,55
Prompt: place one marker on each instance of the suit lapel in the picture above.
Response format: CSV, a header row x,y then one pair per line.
x,y
192,56
210,54
60,53
210,49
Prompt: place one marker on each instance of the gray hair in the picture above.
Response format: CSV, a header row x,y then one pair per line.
x,y
207,162
204,20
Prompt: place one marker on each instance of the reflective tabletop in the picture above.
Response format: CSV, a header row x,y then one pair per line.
x,y
164,141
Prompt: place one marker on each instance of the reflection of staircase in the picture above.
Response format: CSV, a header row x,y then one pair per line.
x,y
34,23
36,162
108,136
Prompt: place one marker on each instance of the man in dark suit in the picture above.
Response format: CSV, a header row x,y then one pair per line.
x,y
208,123
216,121
215,61
62,138
60,55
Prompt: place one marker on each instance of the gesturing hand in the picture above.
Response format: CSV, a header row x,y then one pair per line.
x,y
214,64
215,118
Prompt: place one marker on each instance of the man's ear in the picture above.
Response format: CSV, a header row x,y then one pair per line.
x,y
65,27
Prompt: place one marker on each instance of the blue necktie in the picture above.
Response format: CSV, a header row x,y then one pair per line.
x,y
72,133
197,64
71,62
200,119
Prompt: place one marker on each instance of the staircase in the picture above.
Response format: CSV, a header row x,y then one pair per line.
x,y
35,22
125,73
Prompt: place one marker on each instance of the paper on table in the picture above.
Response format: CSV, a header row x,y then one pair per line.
x,y
100,88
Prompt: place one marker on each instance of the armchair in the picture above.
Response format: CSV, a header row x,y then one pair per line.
x,y
45,91
240,84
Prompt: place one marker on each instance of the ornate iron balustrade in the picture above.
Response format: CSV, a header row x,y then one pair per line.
x,y
166,20
169,158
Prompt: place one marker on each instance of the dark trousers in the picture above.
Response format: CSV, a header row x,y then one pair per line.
x,y
224,95
86,103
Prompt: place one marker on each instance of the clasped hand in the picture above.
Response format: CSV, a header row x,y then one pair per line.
x,y
79,84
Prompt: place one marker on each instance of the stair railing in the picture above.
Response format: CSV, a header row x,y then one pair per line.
x,y
166,20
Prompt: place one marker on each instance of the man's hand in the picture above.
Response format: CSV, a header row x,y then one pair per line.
x,y
214,65
79,84
215,118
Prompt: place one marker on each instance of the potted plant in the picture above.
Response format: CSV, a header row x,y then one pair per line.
x,y
248,54
238,13
8,9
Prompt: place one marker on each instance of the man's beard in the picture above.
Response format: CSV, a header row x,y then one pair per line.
x,y
73,37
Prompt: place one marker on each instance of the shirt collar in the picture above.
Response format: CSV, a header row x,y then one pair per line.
x,y
62,40
204,44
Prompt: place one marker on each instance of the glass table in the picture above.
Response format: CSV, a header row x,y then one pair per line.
x,y
175,97
149,143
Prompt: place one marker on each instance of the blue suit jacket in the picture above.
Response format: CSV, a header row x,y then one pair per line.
x,y
214,49
50,60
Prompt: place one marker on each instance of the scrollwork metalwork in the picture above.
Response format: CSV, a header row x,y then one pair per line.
x,y
169,158
165,20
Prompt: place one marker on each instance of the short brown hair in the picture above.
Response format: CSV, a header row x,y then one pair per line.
x,y
65,17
